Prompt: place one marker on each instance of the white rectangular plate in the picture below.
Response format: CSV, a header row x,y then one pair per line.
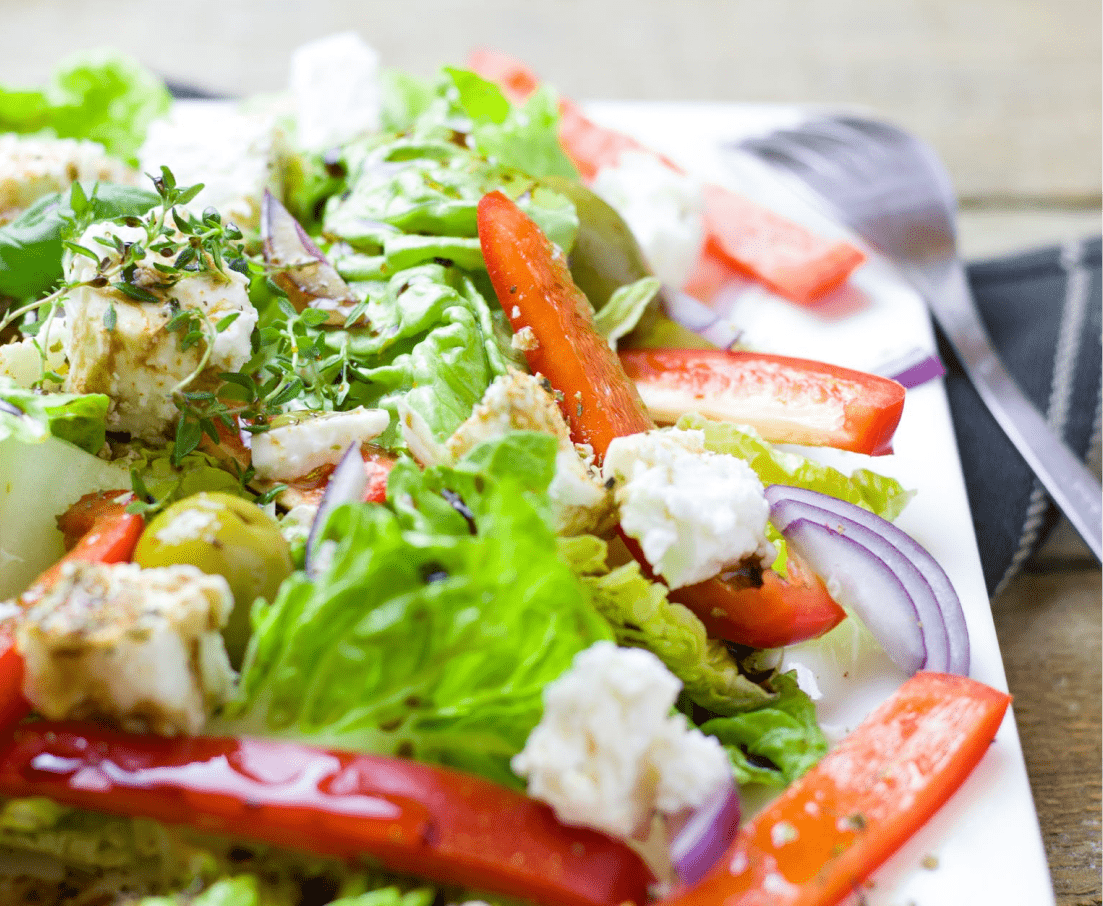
x,y
984,846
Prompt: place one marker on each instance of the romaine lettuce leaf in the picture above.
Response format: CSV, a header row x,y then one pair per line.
x,y
880,494
776,744
432,633
103,96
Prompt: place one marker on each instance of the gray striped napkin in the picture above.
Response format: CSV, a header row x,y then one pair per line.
x,y
1043,310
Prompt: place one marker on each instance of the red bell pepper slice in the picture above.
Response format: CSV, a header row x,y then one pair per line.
x,y
795,262
13,706
99,530
782,611
787,400
600,403
829,830
429,821
787,257
535,289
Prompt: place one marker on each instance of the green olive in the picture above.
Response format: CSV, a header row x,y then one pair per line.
x,y
607,256
226,536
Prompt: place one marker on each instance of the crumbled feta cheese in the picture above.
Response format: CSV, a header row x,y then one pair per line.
x,y
608,753
314,440
236,154
139,647
520,402
31,168
138,362
336,91
692,511
663,208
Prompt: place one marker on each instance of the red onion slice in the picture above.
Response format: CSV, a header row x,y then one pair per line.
x,y
866,585
946,635
705,835
914,368
347,484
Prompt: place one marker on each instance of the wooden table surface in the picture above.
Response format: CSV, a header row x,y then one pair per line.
x,y
1008,91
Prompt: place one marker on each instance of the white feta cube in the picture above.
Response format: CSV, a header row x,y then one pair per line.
x,y
138,647
313,440
521,402
236,154
336,91
693,512
137,361
609,753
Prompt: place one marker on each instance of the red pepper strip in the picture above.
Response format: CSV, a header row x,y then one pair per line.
x,y
793,261
110,536
787,400
829,830
537,293
784,255
535,289
425,820
13,706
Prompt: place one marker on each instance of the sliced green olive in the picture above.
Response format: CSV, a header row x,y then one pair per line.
x,y
227,536
607,256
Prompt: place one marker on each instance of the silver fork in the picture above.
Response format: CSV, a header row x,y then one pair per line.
x,y
892,190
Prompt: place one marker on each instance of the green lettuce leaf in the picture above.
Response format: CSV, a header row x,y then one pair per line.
x,y
432,633
643,617
77,418
31,245
103,96
620,315
433,342
879,494
523,136
776,744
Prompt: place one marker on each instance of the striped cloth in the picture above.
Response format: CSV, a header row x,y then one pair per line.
x,y
1043,310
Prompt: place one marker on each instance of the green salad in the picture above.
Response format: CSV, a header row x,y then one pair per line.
x,y
195,343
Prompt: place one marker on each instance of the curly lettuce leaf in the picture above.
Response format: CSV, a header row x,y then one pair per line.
x,y
433,343
432,633
643,617
104,97
776,744
879,494
524,136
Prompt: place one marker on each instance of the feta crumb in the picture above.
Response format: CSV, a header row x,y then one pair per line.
x,y
139,361
663,208
520,402
314,440
693,512
31,168
139,647
335,86
525,340
608,753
